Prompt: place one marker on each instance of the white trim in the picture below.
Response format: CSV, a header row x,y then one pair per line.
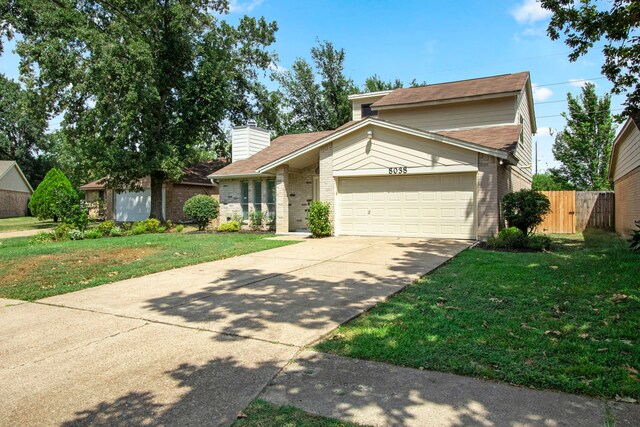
x,y
388,125
241,175
369,94
193,183
422,170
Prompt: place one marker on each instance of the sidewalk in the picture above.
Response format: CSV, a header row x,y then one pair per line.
x,y
22,233
380,394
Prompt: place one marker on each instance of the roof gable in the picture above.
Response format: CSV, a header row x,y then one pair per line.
x,y
7,165
507,83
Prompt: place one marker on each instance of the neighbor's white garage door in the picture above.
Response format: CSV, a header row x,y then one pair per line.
x,y
133,206
440,205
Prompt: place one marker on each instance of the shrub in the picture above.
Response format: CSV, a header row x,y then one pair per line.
x,y
76,217
127,226
151,225
61,232
229,226
237,218
201,209
161,229
634,241
76,234
525,209
93,233
179,228
168,224
44,237
318,219
138,228
105,227
256,220
53,197
539,242
115,231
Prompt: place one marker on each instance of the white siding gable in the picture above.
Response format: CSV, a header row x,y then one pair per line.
x,y
354,154
13,181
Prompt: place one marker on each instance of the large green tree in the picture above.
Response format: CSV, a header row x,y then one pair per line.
x,y
143,85
316,97
584,145
586,22
22,129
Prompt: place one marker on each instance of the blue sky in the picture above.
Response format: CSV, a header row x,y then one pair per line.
x,y
432,41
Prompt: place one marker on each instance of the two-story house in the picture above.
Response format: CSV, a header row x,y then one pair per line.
x,y
429,161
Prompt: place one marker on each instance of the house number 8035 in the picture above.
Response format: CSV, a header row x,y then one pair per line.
x,y
398,171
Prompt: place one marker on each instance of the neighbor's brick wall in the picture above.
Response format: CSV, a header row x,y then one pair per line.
x,y
13,203
488,215
627,204
178,194
300,196
327,181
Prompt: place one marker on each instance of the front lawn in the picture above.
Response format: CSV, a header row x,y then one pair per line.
x,y
565,320
24,223
32,271
264,414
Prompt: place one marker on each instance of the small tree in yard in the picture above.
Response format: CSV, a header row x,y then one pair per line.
x,y
525,209
318,219
201,209
54,197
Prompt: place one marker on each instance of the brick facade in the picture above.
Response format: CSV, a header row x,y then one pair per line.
x,y
327,183
177,194
13,203
488,215
627,202
282,199
300,196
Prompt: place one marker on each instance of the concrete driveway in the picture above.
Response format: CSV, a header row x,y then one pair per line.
x,y
192,346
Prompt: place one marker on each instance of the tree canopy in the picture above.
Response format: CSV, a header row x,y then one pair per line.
x,y
549,182
143,86
22,129
584,145
586,22
316,97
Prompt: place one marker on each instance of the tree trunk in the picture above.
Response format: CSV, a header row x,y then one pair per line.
x,y
157,180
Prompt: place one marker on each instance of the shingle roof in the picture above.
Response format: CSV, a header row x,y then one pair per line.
x,y
503,138
279,147
193,174
452,90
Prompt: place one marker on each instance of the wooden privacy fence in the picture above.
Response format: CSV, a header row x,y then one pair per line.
x,y
573,211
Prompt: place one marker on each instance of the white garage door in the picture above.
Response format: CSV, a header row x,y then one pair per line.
x,y
133,206
441,205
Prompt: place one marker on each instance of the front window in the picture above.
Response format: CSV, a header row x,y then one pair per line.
x,y
244,199
271,197
257,196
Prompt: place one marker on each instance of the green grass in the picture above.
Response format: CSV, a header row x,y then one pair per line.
x,y
24,223
567,320
32,271
264,414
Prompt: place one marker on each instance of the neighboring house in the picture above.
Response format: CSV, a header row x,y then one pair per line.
x,y
624,171
430,161
15,190
136,206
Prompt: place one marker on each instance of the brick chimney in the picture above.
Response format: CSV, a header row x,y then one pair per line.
x,y
247,140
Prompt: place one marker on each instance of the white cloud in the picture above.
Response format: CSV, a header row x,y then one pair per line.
x,y
545,132
277,68
541,93
237,6
579,82
529,12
